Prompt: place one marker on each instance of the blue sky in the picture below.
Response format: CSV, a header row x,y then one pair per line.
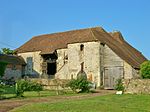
x,y
22,19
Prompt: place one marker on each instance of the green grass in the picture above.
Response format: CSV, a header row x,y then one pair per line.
x,y
9,90
109,103
30,94
34,94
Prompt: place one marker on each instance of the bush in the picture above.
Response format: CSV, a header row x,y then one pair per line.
x,y
25,85
2,68
119,85
79,85
1,90
145,70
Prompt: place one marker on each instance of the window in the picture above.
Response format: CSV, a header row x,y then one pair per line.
x,y
14,67
81,47
66,59
29,65
102,44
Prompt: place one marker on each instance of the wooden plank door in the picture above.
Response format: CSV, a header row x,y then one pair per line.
x,y
108,79
111,74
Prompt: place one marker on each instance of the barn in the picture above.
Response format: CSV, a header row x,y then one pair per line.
x,y
103,56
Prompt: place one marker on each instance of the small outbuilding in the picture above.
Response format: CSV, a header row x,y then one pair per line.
x,y
15,66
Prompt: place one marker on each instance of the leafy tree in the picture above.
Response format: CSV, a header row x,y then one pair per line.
x,y
145,70
3,64
7,51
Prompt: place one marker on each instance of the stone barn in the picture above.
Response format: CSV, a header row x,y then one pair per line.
x,y
104,57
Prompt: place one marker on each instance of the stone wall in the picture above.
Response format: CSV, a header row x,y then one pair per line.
x,y
62,64
130,72
137,86
36,62
90,55
70,59
127,71
51,84
15,73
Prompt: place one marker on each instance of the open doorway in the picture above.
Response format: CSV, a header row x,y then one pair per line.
x,y
49,67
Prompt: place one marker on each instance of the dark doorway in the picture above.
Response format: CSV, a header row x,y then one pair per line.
x,y
51,68
49,65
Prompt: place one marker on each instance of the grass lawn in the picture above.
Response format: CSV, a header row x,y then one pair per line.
x,y
108,103
33,94
8,92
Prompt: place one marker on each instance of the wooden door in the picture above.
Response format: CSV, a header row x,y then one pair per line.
x,y
111,74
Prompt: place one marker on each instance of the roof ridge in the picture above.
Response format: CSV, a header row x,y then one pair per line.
x,y
93,34
61,32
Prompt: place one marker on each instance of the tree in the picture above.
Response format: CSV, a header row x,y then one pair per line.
x,y
145,70
7,51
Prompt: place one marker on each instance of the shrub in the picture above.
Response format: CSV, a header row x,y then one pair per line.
x,y
79,85
25,85
145,70
1,90
2,68
119,85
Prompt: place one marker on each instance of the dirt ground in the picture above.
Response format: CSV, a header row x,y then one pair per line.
x,y
7,105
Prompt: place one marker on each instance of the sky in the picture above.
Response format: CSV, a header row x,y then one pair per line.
x,y
20,20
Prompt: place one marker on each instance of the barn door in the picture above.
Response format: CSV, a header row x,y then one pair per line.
x,y
111,74
108,78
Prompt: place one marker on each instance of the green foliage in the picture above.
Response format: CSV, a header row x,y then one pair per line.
x,y
7,51
119,85
25,85
6,90
145,70
79,85
1,90
2,68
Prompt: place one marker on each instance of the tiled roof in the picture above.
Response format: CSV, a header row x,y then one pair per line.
x,y
51,42
10,59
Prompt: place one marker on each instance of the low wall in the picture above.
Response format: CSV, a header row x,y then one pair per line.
x,y
137,86
51,84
